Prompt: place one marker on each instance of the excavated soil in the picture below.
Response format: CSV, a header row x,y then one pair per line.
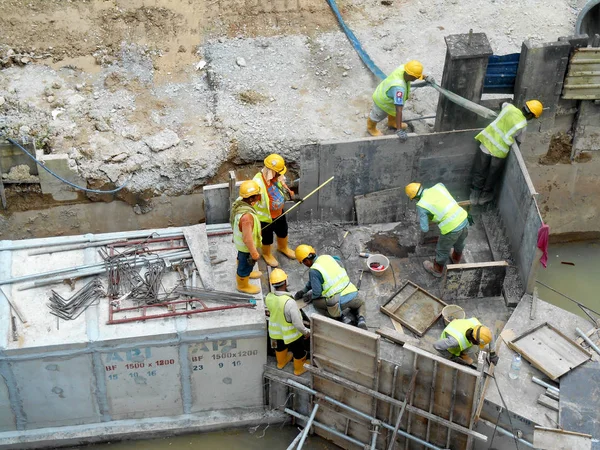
x,y
559,152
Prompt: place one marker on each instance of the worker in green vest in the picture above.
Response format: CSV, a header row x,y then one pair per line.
x,y
285,324
459,336
436,203
246,236
495,142
270,207
390,97
329,286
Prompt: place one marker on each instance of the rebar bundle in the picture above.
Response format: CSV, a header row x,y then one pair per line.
x,y
72,308
216,296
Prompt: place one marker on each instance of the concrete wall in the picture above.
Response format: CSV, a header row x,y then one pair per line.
x,y
370,165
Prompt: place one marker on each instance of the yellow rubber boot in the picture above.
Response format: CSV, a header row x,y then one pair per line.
x,y
243,285
372,128
283,358
268,257
282,246
299,366
392,123
255,274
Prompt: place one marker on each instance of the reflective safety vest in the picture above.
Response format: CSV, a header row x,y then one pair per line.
x,y
262,207
498,136
380,97
238,240
446,212
335,278
279,327
457,329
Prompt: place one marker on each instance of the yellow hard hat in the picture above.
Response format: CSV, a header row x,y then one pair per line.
x,y
249,188
482,334
277,276
412,190
275,162
302,252
535,106
414,68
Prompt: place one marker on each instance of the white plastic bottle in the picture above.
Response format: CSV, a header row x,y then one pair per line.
x,y
515,367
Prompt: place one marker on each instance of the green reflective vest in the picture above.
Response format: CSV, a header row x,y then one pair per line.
x,y
263,206
457,329
380,97
335,278
498,136
279,328
238,240
446,212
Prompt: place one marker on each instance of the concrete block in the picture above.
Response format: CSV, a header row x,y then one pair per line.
x,y
463,281
379,207
59,164
587,127
11,156
464,74
216,203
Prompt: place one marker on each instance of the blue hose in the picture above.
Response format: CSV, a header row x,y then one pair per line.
x,y
356,44
93,191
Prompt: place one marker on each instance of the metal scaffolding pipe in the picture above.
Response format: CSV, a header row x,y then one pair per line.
x,y
588,340
544,384
292,446
359,413
308,425
507,433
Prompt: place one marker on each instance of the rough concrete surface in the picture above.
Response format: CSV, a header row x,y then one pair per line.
x,y
96,79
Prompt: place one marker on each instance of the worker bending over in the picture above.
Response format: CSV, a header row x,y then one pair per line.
x,y
496,140
270,207
246,235
329,286
437,204
459,336
391,95
285,324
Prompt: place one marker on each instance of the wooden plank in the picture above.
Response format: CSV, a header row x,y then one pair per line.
x,y
442,360
465,266
548,402
555,439
549,350
397,325
197,241
396,337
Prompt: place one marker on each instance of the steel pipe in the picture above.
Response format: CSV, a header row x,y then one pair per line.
x,y
544,384
292,446
308,425
588,340
375,432
507,433
359,413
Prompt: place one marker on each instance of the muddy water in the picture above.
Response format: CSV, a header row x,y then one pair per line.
x,y
580,281
274,437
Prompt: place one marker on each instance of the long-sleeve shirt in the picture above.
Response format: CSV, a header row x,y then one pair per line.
x,y
519,134
444,344
315,282
292,314
425,216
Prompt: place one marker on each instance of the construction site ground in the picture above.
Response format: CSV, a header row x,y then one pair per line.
x,y
175,93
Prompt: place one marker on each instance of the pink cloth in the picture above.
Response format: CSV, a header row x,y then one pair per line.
x,y
542,243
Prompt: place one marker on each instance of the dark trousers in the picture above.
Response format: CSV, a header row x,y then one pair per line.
x,y
280,228
297,347
486,171
445,243
245,264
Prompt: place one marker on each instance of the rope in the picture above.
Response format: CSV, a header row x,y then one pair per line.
x,y
81,188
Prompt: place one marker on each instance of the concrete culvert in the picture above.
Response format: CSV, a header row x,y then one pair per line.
x,y
588,21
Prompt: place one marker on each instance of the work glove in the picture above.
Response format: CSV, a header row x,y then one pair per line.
x,y
297,198
402,135
300,294
493,358
308,297
429,79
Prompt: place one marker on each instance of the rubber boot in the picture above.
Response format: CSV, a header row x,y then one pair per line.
x,y
372,128
255,274
362,323
392,123
283,358
299,366
455,257
243,285
474,197
433,268
282,246
268,257
486,197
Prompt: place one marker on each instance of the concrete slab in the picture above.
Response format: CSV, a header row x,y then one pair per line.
x,y
485,279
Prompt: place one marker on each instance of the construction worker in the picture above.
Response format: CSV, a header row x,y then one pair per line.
x,y
329,286
438,205
273,191
285,324
496,140
391,95
459,336
246,235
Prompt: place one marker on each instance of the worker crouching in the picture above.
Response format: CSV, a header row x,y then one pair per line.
x,y
246,236
459,336
329,287
285,324
437,204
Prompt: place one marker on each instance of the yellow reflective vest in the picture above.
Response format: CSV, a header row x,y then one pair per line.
x,y
279,327
446,212
457,329
238,239
380,97
335,278
498,136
